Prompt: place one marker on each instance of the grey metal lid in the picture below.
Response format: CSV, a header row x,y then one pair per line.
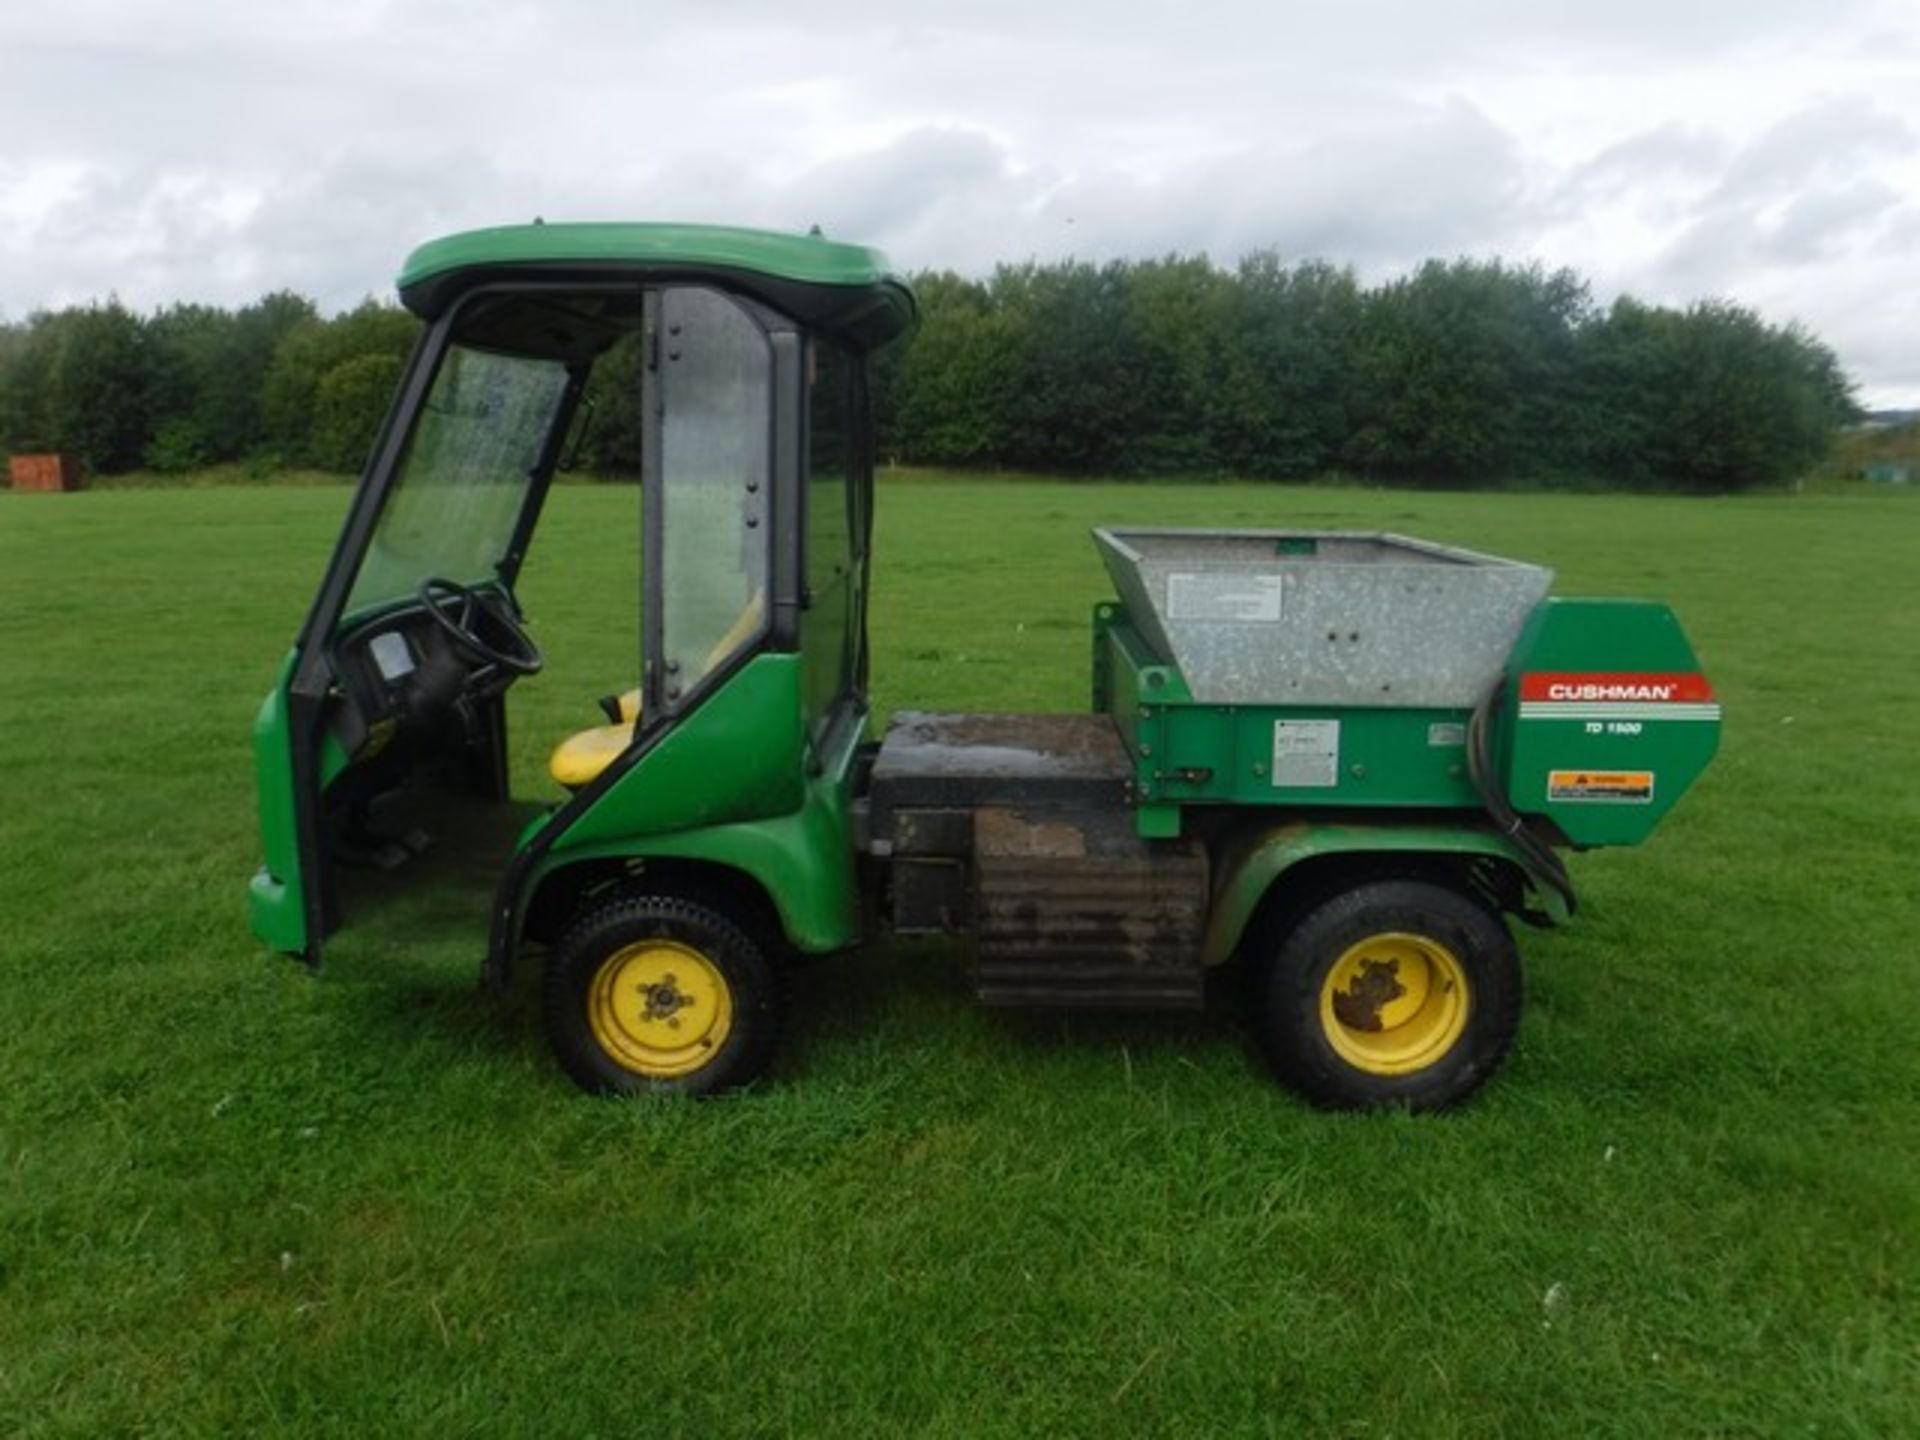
x,y
1322,617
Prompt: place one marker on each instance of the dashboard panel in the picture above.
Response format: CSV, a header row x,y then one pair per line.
x,y
401,676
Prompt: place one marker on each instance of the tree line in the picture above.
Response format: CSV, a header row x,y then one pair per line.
x,y
273,383
1462,372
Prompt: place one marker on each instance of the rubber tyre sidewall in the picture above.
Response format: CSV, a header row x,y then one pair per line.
x,y
742,1057
1291,1031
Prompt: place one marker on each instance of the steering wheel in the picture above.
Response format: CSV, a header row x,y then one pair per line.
x,y
436,592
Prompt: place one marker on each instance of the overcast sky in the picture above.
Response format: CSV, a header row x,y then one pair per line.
x,y
1764,150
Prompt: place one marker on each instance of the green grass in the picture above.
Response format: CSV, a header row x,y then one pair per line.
x,y
236,1199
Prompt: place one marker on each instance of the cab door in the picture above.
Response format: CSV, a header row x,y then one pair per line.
x,y
452,493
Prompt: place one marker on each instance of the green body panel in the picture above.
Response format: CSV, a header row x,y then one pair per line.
x,y
1541,748
810,259
804,861
276,900
1252,863
1189,753
738,755
737,783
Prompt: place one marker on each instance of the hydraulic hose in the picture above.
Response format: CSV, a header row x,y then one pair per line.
x,y
1486,783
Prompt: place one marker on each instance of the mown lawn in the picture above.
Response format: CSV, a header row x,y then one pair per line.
x,y
236,1199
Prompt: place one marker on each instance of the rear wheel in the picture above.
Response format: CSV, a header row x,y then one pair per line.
x,y
653,993
1395,992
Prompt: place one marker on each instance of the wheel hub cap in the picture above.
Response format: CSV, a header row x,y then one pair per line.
x,y
1394,1003
660,1008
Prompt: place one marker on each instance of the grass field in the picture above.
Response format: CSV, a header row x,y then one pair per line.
x,y
234,1199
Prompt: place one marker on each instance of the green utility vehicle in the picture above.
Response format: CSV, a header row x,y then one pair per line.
x,y
1342,760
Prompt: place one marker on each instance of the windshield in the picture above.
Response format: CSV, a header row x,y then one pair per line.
x,y
464,477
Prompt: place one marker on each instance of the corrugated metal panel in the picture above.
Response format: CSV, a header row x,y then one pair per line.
x,y
1075,909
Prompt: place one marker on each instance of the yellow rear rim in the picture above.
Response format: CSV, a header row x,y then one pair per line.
x,y
659,1008
1394,1003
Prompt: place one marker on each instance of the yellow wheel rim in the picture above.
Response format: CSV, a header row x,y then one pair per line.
x,y
1394,1003
659,1008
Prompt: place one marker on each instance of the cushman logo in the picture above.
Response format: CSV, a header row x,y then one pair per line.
x,y
1615,687
1563,691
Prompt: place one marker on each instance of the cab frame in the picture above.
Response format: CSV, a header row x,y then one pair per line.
x,y
804,313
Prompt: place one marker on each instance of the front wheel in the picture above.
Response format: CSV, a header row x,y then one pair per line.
x,y
1395,992
654,993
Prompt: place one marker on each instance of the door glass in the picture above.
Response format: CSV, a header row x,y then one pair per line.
x,y
716,393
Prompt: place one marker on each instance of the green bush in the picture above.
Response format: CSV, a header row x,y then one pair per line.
x,y
177,447
349,403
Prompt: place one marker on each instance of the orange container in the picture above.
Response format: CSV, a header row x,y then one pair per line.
x,y
44,472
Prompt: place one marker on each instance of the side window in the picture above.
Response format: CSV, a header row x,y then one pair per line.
x,y
831,542
716,393
831,621
610,433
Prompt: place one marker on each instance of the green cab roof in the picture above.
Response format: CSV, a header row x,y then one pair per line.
x,y
828,284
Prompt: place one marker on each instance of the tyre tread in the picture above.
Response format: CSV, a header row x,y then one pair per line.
x,y
1289,995
758,995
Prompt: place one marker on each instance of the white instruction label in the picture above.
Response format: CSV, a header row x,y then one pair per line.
x,y
1244,599
390,655
1306,752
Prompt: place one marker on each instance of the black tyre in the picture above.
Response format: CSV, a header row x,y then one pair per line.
x,y
1396,992
652,993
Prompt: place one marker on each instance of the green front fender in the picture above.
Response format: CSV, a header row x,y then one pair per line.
x,y
1248,866
802,861
737,784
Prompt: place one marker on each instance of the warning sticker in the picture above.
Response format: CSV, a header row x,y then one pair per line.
x,y
1306,753
1618,787
1243,599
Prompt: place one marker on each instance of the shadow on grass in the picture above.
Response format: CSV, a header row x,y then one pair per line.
x,y
917,996
404,966
404,970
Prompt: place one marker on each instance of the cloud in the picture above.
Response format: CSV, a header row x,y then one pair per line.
x,y
1813,145
1670,152
1824,223
1758,149
1802,194
1416,181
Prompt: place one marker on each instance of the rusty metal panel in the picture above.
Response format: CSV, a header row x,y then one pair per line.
x,y
932,832
1072,908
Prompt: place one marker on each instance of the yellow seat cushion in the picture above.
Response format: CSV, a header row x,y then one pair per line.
x,y
578,759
